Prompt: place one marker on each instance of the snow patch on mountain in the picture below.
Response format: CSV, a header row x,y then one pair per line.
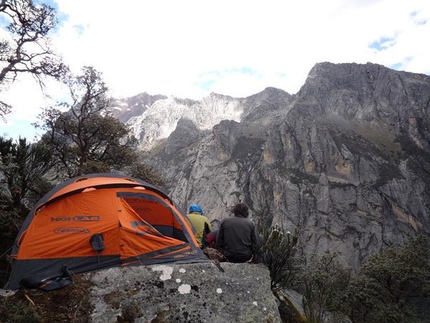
x,y
160,119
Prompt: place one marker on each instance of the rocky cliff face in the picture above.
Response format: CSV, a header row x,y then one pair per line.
x,y
345,162
152,118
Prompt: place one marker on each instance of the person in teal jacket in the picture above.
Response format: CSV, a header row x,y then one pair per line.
x,y
199,222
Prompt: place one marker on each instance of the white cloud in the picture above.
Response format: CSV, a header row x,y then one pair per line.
x,y
163,46
190,48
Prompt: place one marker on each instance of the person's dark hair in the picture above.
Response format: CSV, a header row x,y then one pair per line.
x,y
241,209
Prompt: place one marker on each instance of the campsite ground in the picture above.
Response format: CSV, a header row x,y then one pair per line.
x,y
70,304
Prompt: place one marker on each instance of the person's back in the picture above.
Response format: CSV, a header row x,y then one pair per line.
x,y
237,236
198,220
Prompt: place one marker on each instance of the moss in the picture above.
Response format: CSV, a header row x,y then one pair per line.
x,y
282,170
361,146
113,299
387,172
339,185
162,317
129,313
418,158
69,304
381,136
409,148
294,175
17,310
247,147
298,177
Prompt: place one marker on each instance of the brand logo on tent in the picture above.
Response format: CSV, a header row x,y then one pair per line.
x,y
77,218
185,254
71,230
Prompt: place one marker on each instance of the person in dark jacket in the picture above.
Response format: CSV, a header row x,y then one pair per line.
x,y
237,236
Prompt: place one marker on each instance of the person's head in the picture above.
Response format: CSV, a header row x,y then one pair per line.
x,y
241,209
195,208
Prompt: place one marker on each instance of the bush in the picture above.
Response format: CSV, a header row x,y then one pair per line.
x,y
389,282
322,282
279,255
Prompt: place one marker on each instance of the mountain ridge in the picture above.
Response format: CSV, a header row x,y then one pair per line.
x,y
344,162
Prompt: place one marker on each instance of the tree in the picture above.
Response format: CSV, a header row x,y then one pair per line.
x,y
388,283
86,138
23,166
22,182
146,173
28,50
322,282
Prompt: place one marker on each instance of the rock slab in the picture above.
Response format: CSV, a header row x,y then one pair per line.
x,y
184,293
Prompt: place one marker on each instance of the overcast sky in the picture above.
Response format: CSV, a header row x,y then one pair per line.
x,y
189,49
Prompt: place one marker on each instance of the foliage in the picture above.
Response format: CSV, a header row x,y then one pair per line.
x,y
417,157
22,166
86,138
387,172
22,182
146,173
340,185
409,147
402,271
27,50
18,311
387,283
369,302
321,282
278,253
297,177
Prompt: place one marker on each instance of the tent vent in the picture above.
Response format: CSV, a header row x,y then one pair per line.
x,y
129,179
80,179
97,242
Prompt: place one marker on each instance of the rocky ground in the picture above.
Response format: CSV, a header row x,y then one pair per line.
x,y
156,294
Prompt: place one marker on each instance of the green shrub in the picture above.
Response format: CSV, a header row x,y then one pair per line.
x,y
279,255
322,281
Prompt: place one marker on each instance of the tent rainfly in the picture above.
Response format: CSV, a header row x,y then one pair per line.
x,y
99,221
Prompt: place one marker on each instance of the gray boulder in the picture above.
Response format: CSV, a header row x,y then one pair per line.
x,y
156,294
184,293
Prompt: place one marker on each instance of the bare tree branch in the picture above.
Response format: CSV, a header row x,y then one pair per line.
x,y
28,50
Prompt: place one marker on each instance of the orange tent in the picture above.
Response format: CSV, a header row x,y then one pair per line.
x,y
97,221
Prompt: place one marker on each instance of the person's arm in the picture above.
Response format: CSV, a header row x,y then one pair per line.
x,y
208,227
256,240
